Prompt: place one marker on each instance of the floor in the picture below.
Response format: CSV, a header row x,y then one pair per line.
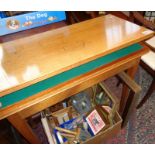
x,y
141,126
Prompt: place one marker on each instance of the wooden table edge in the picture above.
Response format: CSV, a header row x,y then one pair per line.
x,y
31,101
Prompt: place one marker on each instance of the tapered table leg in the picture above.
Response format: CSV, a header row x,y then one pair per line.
x,y
125,90
24,129
148,94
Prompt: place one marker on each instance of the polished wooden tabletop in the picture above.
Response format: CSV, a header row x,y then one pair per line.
x,y
31,59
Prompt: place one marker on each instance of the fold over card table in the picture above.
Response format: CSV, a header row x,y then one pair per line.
x,y
40,70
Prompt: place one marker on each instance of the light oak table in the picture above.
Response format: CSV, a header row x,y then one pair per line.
x,y
38,71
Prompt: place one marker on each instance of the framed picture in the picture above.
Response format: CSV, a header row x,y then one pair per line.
x,y
96,121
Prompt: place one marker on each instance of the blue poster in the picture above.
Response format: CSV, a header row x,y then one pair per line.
x,y
29,20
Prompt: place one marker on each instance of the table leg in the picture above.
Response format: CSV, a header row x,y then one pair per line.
x,y
125,90
130,104
24,129
132,97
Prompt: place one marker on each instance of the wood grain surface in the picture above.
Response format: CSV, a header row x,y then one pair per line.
x,y
27,60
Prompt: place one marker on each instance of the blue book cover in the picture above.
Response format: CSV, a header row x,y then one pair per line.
x,y
29,20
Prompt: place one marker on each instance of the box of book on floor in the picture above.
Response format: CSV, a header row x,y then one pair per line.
x,y
90,116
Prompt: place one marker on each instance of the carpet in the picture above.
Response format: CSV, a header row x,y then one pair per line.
x,y
141,126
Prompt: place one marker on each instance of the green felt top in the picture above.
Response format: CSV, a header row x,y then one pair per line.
x,y
65,76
